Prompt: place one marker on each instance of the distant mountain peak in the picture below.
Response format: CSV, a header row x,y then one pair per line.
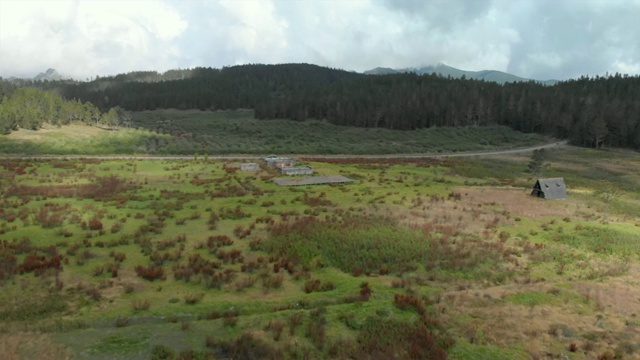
x,y
50,74
381,71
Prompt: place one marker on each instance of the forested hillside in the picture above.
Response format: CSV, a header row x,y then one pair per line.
x,y
594,112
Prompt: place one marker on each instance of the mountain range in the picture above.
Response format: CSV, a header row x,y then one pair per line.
x,y
441,69
446,71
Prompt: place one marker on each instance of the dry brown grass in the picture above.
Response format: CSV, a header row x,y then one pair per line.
x,y
72,131
31,346
518,202
611,315
618,296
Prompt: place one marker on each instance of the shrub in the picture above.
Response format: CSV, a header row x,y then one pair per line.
x,y
382,338
122,321
245,282
93,293
162,352
272,282
314,285
115,227
293,321
241,232
210,341
38,264
365,291
193,298
316,332
212,315
119,257
230,318
254,245
233,256
573,347
150,273
64,232
98,270
140,305
217,241
95,224
213,221
276,327
247,346
8,262
409,302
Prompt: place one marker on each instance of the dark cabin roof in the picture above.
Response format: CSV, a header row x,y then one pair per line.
x,y
553,188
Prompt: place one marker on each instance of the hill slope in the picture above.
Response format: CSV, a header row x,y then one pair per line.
x,y
446,71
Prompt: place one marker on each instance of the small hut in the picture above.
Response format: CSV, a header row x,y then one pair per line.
x,y
553,188
249,167
279,162
296,170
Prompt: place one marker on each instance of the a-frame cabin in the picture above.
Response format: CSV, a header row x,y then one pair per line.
x,y
553,188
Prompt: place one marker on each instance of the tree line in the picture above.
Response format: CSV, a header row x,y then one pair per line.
x,y
30,108
589,111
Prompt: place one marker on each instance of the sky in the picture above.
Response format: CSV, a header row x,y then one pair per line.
x,y
538,39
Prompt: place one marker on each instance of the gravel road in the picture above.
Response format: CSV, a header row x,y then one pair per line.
x,y
306,156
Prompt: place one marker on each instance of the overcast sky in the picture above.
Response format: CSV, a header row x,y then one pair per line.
x,y
530,38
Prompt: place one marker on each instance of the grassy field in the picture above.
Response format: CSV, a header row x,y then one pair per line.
x,y
237,132
422,258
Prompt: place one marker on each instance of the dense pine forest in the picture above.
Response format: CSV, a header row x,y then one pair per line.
x,y
592,112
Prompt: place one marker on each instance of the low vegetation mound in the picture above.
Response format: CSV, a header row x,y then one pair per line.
x,y
372,244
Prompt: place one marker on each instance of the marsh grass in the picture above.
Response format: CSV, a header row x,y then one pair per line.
x,y
415,231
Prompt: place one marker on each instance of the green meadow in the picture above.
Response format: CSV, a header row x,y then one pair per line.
x,y
237,132
418,258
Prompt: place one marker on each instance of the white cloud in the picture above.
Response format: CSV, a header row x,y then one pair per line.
x,y
625,67
253,30
85,38
539,39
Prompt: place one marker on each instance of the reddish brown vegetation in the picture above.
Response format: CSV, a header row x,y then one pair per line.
x,y
8,262
204,268
213,243
365,292
409,302
39,264
232,256
150,273
102,188
320,200
315,285
51,215
95,224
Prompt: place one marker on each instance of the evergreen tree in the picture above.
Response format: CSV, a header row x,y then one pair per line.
x,y
536,164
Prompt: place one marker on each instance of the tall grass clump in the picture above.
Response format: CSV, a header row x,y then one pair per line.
x,y
354,244
369,244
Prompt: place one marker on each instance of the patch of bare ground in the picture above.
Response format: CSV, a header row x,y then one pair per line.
x,y
72,130
450,216
517,201
481,210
